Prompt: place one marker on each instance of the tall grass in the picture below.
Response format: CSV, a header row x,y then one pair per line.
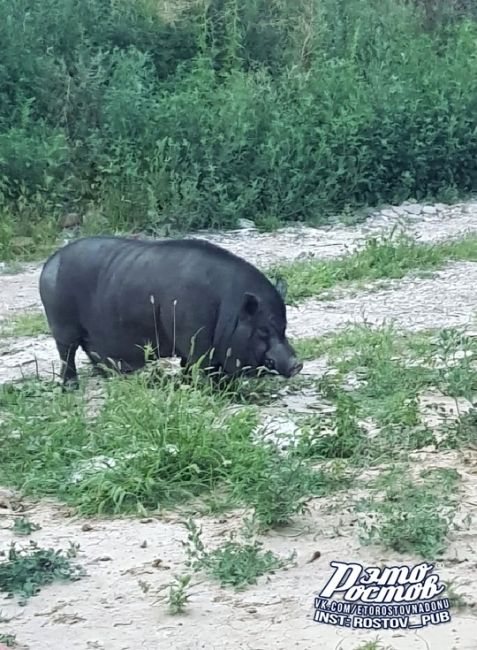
x,y
148,447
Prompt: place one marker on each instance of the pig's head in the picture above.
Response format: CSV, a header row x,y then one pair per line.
x,y
259,338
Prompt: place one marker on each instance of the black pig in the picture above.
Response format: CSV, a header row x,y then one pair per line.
x,y
113,296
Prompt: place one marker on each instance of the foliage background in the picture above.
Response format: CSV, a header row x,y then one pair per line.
x,y
163,116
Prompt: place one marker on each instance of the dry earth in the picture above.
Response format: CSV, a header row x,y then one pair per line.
x,y
108,609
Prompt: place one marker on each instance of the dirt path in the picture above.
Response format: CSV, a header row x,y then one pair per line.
x,y
108,609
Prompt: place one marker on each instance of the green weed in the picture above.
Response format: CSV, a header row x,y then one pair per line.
x,y
22,526
457,601
8,639
234,563
338,436
373,645
27,570
372,394
262,392
148,445
412,516
178,596
453,354
389,371
384,393
343,342
151,445
278,486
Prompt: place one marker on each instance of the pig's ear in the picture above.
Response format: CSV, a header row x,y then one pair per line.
x,y
281,286
249,306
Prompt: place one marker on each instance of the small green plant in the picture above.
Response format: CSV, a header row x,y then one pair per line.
x,y
8,639
22,526
263,391
373,645
457,601
234,563
453,355
178,596
311,347
412,516
144,586
27,570
277,487
338,436
459,433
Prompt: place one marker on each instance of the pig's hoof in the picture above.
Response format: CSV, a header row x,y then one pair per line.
x,y
70,385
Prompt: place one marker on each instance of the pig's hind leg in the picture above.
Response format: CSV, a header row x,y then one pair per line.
x,y
67,352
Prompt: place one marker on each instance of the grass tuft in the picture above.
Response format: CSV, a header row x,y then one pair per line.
x,y
178,596
26,324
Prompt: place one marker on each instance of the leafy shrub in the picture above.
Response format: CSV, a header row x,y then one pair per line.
x,y
205,113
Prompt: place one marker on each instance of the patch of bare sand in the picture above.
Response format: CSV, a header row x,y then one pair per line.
x,y
19,292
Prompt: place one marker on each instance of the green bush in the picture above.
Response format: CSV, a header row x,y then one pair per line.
x,y
169,117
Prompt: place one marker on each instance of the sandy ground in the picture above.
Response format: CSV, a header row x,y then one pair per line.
x,y
109,609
